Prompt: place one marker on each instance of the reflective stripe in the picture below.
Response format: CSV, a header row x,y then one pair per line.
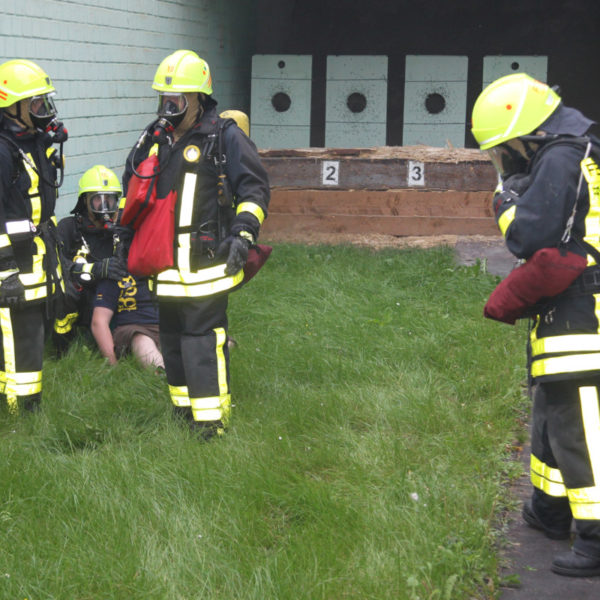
x,y
214,408
583,342
591,172
253,208
565,364
585,503
65,324
4,240
183,251
8,344
590,412
34,193
545,478
187,199
201,276
197,290
506,218
23,384
179,395
221,337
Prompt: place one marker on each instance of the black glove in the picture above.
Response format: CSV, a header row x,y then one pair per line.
x,y
12,292
109,268
236,250
516,183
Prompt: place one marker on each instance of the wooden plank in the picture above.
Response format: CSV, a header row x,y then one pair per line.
x,y
379,174
384,203
369,224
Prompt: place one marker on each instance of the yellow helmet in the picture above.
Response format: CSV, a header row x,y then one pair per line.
x,y
21,79
183,71
510,107
241,118
99,193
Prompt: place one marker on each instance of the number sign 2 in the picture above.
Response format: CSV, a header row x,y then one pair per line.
x,y
330,173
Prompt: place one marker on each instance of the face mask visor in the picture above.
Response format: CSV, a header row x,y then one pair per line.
x,y
508,159
172,107
42,110
103,206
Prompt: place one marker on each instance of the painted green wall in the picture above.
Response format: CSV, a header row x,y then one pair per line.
x,y
102,55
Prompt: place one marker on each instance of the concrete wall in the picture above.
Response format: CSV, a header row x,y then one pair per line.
x,y
102,55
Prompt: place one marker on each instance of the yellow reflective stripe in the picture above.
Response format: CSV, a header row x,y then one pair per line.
x,y
65,324
34,193
583,342
506,218
585,503
253,208
8,344
221,338
190,290
590,412
566,364
185,276
4,240
183,251
215,408
24,384
179,395
545,478
591,172
187,199
37,275
7,273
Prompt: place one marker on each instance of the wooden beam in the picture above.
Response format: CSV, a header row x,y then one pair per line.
x,y
400,203
379,174
361,225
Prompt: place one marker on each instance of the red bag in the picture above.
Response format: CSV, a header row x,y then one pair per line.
x,y
141,193
257,257
546,274
151,249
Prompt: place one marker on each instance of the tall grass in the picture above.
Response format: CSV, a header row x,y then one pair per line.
x,y
368,455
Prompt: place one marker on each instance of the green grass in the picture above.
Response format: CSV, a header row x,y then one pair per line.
x,y
368,458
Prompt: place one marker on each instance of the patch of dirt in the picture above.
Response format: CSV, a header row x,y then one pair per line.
x,y
379,241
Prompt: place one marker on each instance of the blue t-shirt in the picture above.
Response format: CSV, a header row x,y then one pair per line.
x,y
129,298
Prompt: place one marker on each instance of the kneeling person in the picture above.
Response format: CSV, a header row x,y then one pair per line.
x,y
128,304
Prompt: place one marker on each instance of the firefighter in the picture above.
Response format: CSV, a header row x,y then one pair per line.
x,y
89,250
549,197
30,277
200,156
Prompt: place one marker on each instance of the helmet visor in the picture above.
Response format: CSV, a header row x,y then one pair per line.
x,y
42,110
507,160
103,205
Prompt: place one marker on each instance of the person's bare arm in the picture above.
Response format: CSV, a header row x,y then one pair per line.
x,y
101,331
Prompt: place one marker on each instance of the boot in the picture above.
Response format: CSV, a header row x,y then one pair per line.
x,y
31,403
574,564
207,430
554,533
